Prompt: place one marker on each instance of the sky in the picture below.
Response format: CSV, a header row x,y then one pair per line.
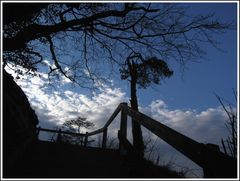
x,y
195,87
184,102
53,107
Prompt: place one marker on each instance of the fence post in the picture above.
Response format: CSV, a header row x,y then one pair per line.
x,y
216,164
59,135
86,139
104,140
38,131
122,134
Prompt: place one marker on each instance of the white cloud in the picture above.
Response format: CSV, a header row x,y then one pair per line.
x,y
56,106
205,126
53,107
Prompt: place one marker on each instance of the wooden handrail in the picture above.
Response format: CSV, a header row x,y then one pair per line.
x,y
57,131
95,132
104,128
214,163
98,131
185,145
109,121
113,116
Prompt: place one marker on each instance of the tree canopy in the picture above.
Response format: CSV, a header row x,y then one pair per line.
x,y
147,71
142,71
75,125
79,38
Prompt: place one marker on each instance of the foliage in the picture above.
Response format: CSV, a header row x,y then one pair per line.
x,y
142,72
73,36
75,125
79,39
150,70
78,123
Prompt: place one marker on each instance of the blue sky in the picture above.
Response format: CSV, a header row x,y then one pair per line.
x,y
185,102
195,87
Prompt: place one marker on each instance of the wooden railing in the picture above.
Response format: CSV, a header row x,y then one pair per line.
x,y
215,164
102,130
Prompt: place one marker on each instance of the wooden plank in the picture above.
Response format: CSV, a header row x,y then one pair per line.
x,y
86,139
123,124
115,113
95,132
59,136
185,145
123,130
104,140
215,164
37,131
62,132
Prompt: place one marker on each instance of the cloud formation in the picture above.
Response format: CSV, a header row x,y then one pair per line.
x,y
53,107
56,106
205,126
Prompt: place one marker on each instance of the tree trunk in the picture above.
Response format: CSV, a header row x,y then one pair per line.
x,y
136,127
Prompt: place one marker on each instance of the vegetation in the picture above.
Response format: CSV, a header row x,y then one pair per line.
x,y
142,72
230,143
72,36
75,126
72,126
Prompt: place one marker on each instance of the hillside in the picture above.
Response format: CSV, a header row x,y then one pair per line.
x,y
59,160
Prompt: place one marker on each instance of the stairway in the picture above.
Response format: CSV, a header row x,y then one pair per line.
x,y
57,160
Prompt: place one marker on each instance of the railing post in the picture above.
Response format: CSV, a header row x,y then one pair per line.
x,y
86,139
59,135
81,140
38,131
122,134
104,140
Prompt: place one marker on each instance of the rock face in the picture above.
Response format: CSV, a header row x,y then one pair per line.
x,y
19,122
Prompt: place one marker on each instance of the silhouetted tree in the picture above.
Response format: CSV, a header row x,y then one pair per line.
x,y
142,72
75,125
72,36
230,143
78,37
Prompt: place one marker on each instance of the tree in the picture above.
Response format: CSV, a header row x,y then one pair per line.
x,y
142,72
230,144
79,38
75,125
72,36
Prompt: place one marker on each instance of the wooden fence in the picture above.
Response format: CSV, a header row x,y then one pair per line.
x,y
215,164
